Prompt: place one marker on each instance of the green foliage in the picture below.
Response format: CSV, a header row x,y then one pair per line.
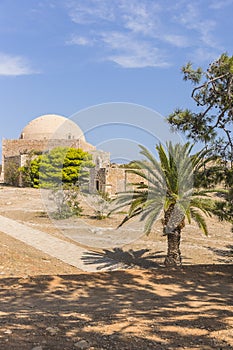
x,y
131,165
228,177
62,165
213,95
168,192
170,184
12,172
224,208
29,172
215,175
218,175
34,171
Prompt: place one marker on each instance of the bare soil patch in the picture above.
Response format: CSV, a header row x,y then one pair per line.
x,y
46,304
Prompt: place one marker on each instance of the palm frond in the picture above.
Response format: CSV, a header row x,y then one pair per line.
x,y
201,158
135,205
127,217
168,183
188,215
164,161
150,172
151,218
206,205
200,220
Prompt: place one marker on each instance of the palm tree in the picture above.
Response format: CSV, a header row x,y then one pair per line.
x,y
167,191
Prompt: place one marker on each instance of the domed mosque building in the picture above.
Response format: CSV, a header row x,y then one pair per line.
x,y
43,134
52,126
49,131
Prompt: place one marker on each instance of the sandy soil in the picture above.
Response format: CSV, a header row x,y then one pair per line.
x,y
46,304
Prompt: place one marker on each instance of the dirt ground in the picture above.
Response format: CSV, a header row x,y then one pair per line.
x,y
47,304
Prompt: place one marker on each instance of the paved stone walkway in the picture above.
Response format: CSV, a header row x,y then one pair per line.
x,y
67,252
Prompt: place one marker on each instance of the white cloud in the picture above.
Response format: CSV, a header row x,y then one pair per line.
x,y
130,53
140,17
177,40
191,19
79,40
14,65
219,4
139,61
142,33
91,11
133,44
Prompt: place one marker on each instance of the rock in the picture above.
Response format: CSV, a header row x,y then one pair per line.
x,y
37,348
82,345
52,330
8,331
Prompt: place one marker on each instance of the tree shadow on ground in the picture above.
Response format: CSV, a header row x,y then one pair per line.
x,y
156,309
119,258
225,255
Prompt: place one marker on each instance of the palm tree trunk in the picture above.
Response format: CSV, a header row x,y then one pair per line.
x,y
173,257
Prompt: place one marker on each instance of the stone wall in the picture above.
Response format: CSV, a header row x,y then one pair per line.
x,y
103,177
20,148
116,180
112,180
15,147
120,180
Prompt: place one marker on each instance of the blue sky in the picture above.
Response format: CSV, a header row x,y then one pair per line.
x,y
62,56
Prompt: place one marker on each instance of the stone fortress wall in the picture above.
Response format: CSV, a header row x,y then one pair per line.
x,y
16,151
16,147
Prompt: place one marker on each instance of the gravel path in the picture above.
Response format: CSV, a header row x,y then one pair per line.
x,y
67,252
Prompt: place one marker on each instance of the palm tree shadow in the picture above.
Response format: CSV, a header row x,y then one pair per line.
x,y
119,258
224,255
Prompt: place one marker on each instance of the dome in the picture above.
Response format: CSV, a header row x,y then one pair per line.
x,y
52,127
